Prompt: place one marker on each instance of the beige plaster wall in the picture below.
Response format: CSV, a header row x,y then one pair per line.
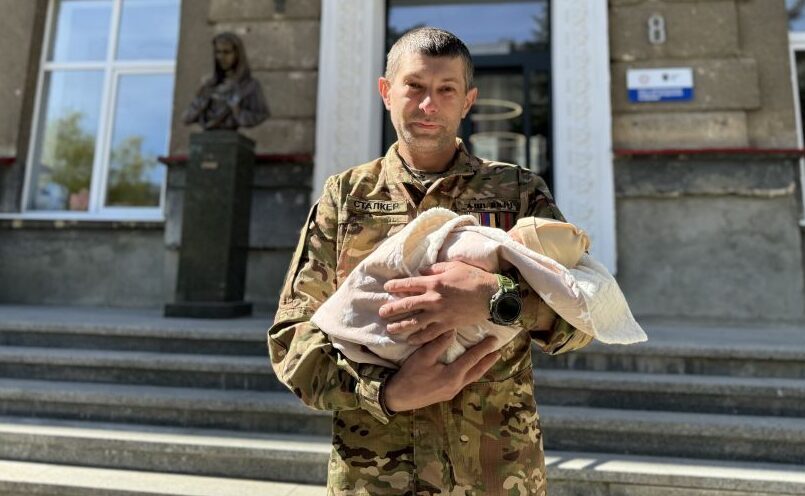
x,y
21,29
283,50
738,50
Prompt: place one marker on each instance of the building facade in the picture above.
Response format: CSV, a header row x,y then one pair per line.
x,y
670,130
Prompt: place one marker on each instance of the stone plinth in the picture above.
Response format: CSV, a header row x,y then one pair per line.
x,y
215,228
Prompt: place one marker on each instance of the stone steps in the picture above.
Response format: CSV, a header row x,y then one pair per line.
x,y
41,479
139,367
738,351
261,411
662,433
210,452
102,398
675,434
130,330
671,392
133,460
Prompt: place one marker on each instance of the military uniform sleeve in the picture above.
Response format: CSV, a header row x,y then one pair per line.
x,y
302,356
551,333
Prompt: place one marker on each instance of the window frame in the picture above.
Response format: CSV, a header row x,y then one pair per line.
x,y
113,70
796,43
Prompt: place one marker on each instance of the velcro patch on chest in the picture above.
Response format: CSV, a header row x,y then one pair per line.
x,y
364,206
491,212
488,205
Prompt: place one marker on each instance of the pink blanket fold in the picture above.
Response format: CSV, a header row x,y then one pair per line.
x,y
586,295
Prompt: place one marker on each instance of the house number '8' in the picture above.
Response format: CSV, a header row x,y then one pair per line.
x,y
656,29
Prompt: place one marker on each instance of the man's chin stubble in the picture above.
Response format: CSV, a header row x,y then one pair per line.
x,y
426,143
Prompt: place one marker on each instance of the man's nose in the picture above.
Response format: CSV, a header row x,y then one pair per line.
x,y
427,105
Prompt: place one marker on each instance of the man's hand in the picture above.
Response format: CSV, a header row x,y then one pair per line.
x,y
423,380
450,295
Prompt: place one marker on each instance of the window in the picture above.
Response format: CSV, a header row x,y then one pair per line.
x,y
796,19
796,14
509,42
103,113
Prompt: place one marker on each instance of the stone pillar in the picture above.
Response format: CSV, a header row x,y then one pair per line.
x,y
215,227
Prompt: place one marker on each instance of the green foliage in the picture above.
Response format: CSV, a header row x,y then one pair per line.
x,y
69,151
127,177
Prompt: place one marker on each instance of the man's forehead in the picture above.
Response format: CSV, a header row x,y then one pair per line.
x,y
419,65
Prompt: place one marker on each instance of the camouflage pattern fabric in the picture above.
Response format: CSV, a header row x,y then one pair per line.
x,y
487,440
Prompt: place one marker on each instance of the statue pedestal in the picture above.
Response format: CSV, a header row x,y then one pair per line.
x,y
215,227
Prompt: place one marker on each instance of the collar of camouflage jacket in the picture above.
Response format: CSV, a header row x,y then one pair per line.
x,y
464,164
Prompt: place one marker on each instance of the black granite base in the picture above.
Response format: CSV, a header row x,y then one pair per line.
x,y
209,309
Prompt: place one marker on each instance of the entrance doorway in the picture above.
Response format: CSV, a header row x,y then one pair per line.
x,y
796,16
510,46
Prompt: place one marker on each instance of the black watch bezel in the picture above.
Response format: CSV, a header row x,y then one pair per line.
x,y
506,305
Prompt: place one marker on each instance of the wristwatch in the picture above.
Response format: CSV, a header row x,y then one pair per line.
x,y
506,304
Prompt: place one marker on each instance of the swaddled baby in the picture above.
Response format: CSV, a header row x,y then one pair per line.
x,y
550,256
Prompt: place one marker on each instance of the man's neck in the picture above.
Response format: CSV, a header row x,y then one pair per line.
x,y
433,162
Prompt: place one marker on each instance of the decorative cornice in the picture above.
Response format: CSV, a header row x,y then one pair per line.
x,y
775,153
259,159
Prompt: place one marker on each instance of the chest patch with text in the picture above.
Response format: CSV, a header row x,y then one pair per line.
x,y
364,206
491,212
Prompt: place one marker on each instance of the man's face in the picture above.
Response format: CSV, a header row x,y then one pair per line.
x,y
225,55
427,99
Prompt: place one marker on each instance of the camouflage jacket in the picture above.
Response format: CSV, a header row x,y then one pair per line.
x,y
487,440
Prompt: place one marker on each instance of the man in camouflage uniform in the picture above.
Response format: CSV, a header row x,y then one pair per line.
x,y
470,427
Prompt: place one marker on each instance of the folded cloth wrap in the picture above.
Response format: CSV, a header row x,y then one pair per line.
x,y
584,294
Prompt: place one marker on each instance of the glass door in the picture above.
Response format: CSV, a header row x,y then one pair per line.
x,y
509,43
796,16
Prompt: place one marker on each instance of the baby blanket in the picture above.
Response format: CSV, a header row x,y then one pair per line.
x,y
586,296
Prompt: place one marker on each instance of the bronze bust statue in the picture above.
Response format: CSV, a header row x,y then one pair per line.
x,y
230,98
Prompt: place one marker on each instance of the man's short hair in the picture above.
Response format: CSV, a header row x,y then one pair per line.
x,y
432,42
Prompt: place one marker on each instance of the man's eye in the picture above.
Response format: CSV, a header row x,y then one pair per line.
x,y
414,86
448,89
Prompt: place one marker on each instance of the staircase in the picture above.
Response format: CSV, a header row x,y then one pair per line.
x,y
123,402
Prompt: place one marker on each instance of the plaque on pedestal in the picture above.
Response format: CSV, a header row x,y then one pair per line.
x,y
215,227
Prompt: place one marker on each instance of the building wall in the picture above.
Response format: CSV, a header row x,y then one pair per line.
x,y
21,25
81,263
712,235
134,264
739,52
283,51
692,230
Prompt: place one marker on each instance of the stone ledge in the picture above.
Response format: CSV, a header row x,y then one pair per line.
x,y
64,225
705,175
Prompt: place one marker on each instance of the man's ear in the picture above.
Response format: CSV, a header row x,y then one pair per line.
x,y
384,87
469,101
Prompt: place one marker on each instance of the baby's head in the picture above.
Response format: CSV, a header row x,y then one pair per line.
x,y
558,240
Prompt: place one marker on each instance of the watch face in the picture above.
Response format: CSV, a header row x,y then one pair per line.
x,y
508,308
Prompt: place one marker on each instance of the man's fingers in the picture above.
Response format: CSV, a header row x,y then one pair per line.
x,y
429,333
405,305
481,368
436,268
472,356
431,352
407,285
410,325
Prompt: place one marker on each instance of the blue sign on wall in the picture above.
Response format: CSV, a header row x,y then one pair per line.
x,y
660,85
